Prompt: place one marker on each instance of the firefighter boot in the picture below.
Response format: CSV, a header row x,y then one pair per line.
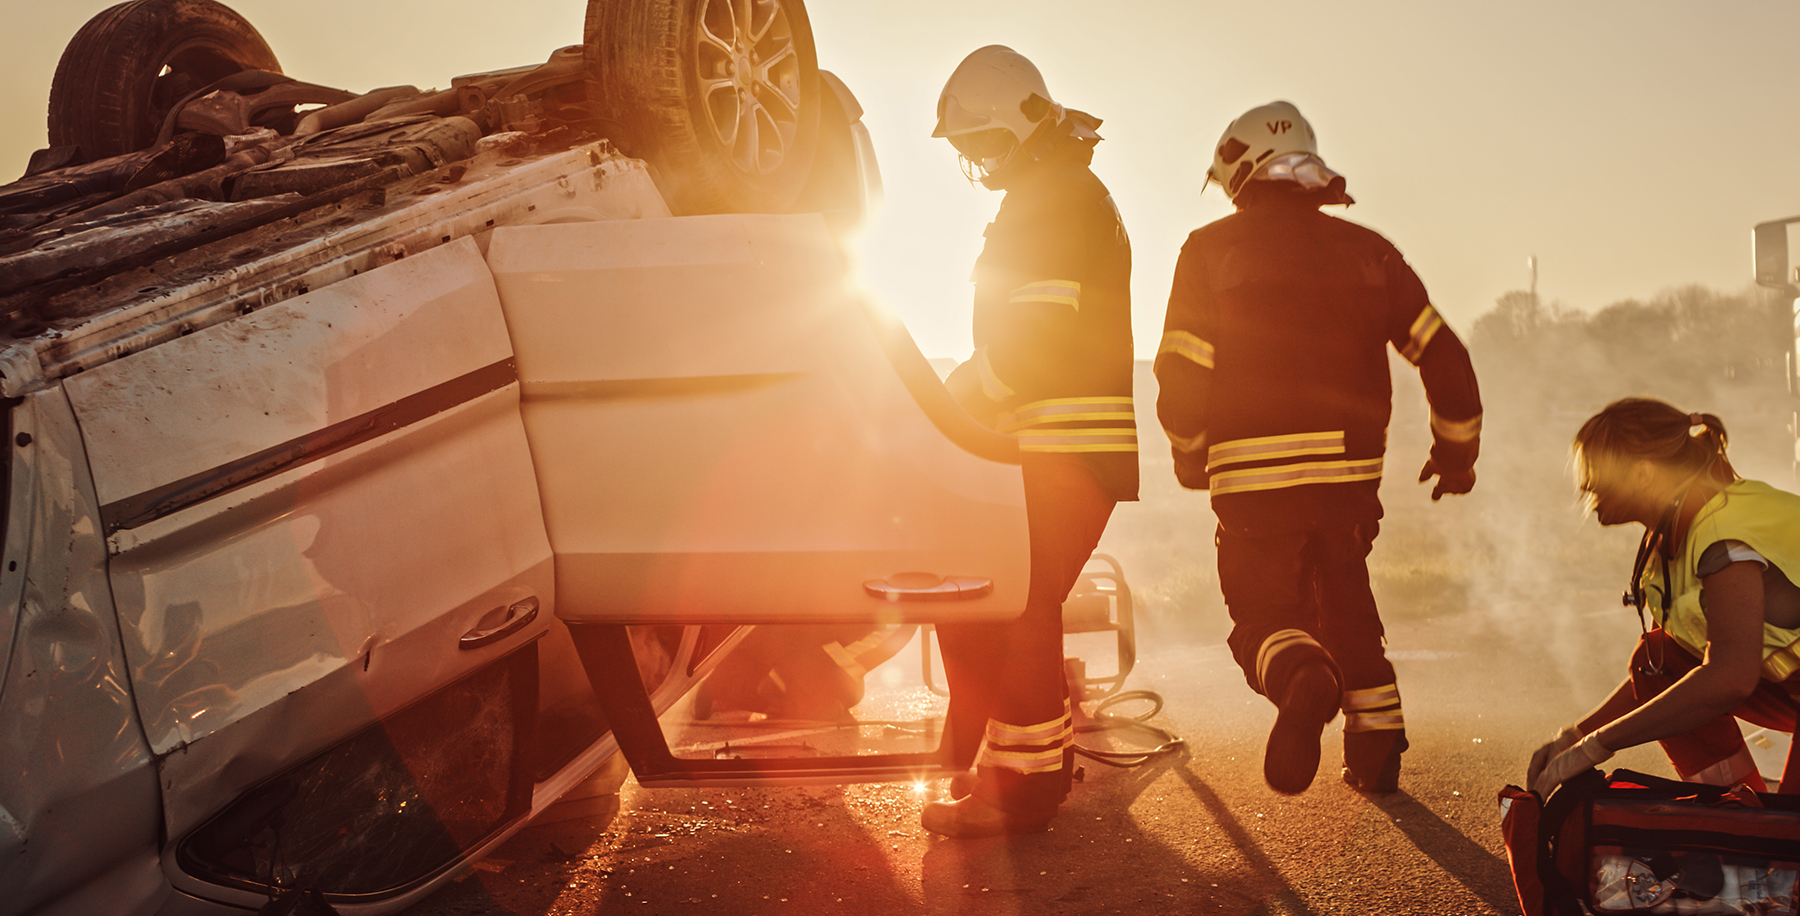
x,y
1374,739
1299,675
962,785
1372,761
972,816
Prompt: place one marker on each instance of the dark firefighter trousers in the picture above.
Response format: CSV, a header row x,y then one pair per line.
x,y
1012,671
1317,582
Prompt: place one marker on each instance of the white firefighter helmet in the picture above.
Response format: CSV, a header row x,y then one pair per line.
x,y
1256,139
992,104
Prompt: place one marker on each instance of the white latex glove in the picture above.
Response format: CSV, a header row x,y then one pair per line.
x,y
1567,738
1586,754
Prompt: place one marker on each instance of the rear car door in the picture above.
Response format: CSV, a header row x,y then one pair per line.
x,y
322,515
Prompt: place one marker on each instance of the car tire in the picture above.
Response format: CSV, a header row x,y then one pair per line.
x,y
720,96
130,64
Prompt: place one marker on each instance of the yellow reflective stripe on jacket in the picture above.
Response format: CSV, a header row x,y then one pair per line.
x,y
1371,697
1069,410
1780,664
1055,292
1294,475
991,385
1108,439
1424,328
1262,448
1456,430
1186,345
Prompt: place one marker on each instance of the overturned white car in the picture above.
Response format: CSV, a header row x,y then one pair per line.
x,y
379,464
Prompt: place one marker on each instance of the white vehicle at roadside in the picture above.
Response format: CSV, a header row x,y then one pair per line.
x,y
378,465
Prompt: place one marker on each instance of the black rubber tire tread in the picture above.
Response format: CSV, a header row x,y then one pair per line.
x,y
101,97
642,54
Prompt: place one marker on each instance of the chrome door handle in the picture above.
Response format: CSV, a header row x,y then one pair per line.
x,y
516,617
923,586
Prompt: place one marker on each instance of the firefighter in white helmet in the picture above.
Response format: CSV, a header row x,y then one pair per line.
x,y
1052,366
1274,391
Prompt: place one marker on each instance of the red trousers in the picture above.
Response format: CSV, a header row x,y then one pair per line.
x,y
1011,672
1660,661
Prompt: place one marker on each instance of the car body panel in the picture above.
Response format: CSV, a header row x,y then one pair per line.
x,y
74,754
338,582
762,460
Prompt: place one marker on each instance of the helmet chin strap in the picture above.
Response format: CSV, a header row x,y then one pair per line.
x,y
984,170
1057,131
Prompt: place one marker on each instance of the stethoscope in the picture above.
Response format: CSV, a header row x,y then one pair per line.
x,y
1654,538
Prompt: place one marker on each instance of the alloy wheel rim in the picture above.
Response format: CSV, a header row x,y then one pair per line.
x,y
749,80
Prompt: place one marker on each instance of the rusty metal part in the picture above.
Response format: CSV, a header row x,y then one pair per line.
x,y
184,155
442,102
290,94
220,113
513,99
242,82
256,136
265,91
154,228
48,299
566,65
52,158
53,193
204,184
404,149
342,113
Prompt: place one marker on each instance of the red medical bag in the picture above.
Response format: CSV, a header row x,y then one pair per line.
x,y
1638,844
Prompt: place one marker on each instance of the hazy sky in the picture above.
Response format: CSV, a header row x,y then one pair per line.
x,y
1630,146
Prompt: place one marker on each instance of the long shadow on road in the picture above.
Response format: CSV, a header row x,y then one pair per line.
x,y
1097,858
1249,846
1485,875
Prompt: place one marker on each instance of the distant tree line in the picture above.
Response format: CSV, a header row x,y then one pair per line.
x,y
1688,339
1696,347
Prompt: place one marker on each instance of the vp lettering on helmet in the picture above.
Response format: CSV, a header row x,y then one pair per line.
x,y
1257,136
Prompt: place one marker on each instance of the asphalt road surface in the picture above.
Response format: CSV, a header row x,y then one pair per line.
x,y
1198,833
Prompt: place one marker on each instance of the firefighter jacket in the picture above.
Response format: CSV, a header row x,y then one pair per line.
x,y
1273,367
1052,331
1766,519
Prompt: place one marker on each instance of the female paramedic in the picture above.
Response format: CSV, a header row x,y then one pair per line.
x,y
1716,570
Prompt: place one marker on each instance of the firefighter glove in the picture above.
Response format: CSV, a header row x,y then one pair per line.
x,y
1457,482
964,384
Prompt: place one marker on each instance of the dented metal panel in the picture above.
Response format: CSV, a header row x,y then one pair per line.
x,y
308,508
78,804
